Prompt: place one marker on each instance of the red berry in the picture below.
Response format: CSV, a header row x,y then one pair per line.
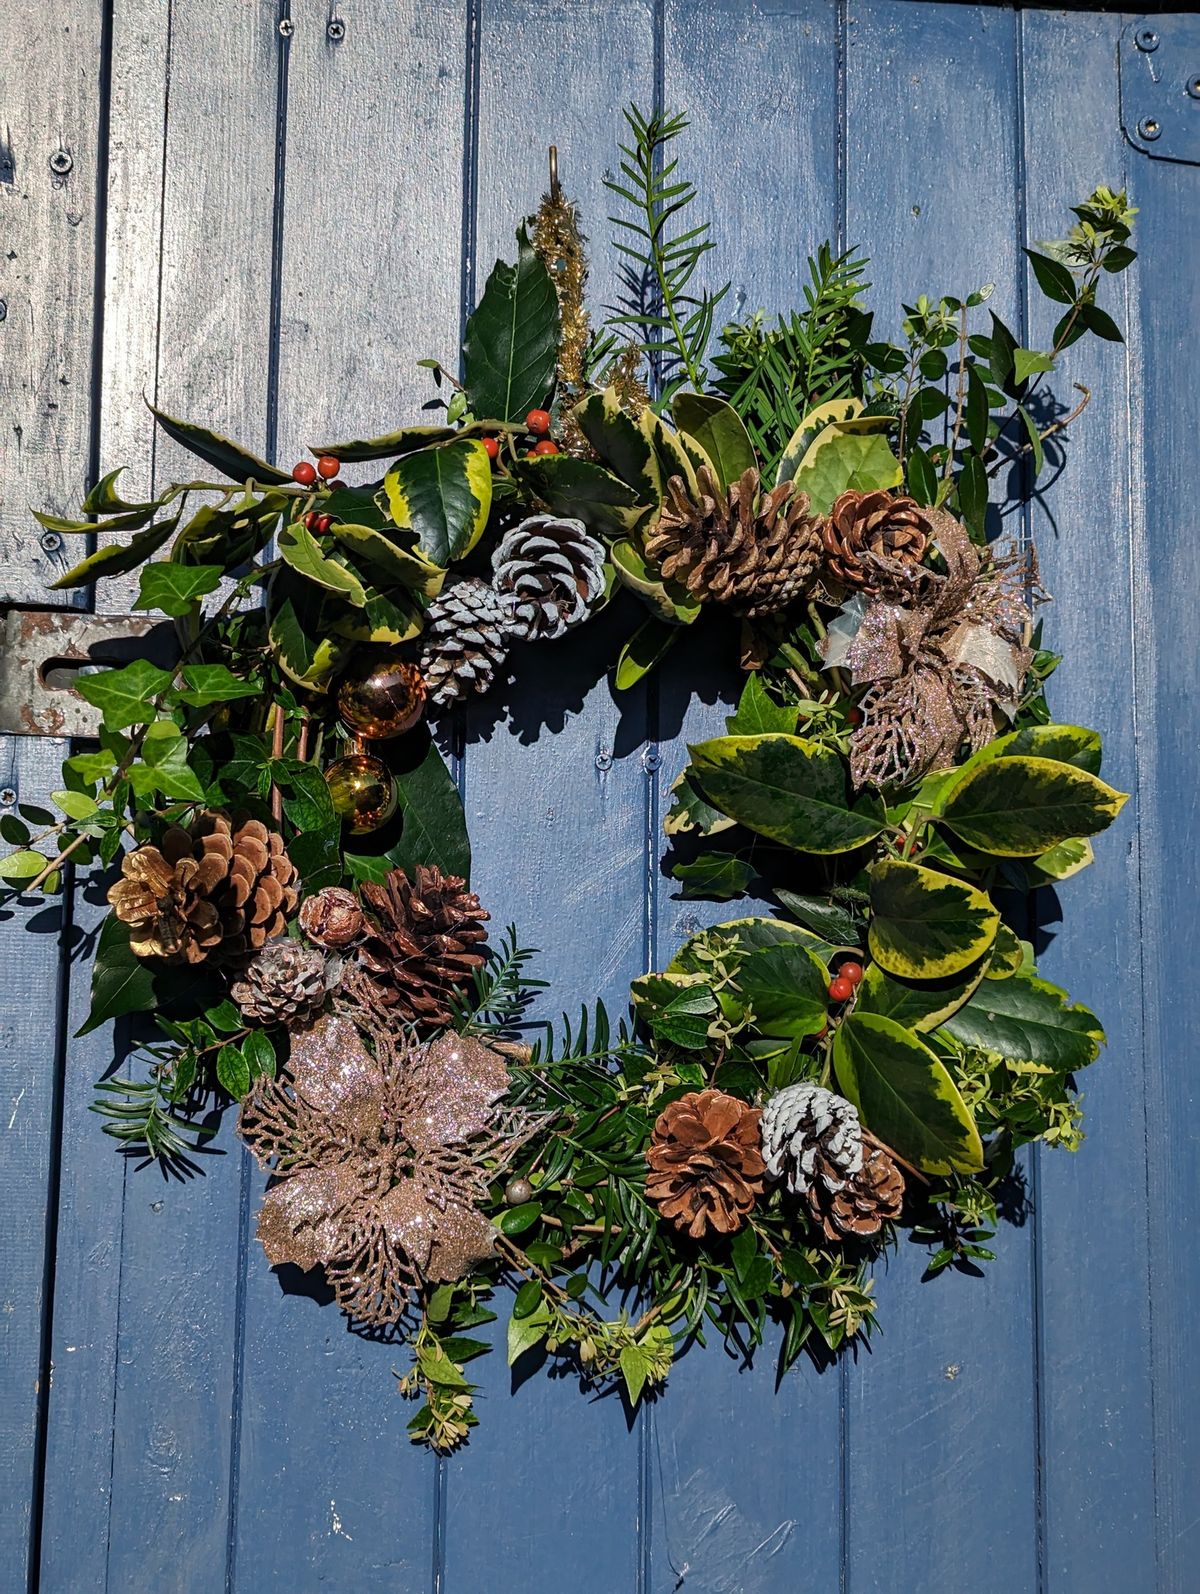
x,y
492,448
854,716
305,473
323,523
840,989
544,447
328,467
851,971
336,485
538,422
310,520
821,1033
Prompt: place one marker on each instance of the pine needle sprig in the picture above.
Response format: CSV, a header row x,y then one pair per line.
x,y
673,321
144,1116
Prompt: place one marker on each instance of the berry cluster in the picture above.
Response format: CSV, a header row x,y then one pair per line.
x,y
537,424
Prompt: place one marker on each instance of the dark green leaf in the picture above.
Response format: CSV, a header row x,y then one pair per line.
x,y
125,696
787,988
713,876
1031,1020
511,346
223,455
214,683
121,982
1017,807
758,712
1053,278
176,589
922,478
718,429
582,490
925,925
443,496
646,648
1100,322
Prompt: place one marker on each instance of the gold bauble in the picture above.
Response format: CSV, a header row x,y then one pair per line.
x,y
363,792
382,698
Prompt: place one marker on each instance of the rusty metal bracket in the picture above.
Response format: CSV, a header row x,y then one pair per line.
x,y
43,651
1160,87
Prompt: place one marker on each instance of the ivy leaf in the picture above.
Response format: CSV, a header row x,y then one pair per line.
x,y
223,455
176,589
164,765
126,696
214,683
510,351
825,918
1029,1019
443,496
758,712
714,876
905,1095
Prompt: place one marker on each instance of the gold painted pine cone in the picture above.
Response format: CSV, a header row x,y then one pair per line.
x,y
332,918
217,888
706,1162
752,550
422,944
879,523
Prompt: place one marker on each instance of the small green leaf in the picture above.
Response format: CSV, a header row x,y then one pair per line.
x,y
1100,323
75,804
517,1219
1028,362
528,1298
23,865
259,1054
634,1369
679,1007
1053,278
526,1332
758,713
713,876
214,683
644,651
233,1072
922,478
1035,440
977,410
121,982
972,487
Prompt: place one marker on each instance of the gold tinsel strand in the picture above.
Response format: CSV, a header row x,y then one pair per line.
x,y
561,246
625,378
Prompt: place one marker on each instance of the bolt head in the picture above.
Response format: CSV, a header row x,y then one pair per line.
x,y
51,541
61,162
1149,128
286,27
1193,88
1146,39
335,29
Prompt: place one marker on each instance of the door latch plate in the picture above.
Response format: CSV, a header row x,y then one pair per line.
x,y
1160,87
42,651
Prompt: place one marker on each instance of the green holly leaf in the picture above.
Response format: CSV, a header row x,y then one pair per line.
x,y
1018,807
904,1095
443,496
510,351
1031,1020
117,558
227,457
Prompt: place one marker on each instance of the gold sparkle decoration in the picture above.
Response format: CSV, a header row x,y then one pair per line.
x,y
945,655
382,1155
561,246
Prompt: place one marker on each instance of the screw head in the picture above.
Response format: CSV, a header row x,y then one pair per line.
x,y
1149,128
335,29
1146,39
1193,88
8,797
61,162
286,27
3,310
51,541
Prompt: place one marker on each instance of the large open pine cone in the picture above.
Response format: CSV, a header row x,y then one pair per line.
x,y
466,638
422,944
864,1203
895,528
215,889
551,573
706,1163
755,551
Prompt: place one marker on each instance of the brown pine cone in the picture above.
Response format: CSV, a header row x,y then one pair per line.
x,y
213,889
706,1162
864,1203
332,918
891,527
755,551
421,944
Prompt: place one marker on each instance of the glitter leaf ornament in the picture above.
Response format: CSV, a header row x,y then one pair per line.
x,y
382,1157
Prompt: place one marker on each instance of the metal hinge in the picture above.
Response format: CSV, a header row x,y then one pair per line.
x,y
43,652
1160,87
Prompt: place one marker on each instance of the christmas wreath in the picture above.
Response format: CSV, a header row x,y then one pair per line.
x,y
291,923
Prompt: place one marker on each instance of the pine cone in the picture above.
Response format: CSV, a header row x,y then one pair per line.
x,y
214,889
755,551
466,638
865,1202
332,917
285,983
809,1136
706,1164
551,572
877,523
421,946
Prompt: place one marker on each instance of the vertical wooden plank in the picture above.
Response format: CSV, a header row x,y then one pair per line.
x,y
941,1413
1091,1219
50,59
724,1513
1168,729
29,1043
557,797
369,271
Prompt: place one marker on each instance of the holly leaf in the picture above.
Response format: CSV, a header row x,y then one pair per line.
x,y
117,558
1018,807
925,925
443,496
510,350
225,456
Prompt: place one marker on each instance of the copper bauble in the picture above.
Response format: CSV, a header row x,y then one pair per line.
x,y
381,698
363,792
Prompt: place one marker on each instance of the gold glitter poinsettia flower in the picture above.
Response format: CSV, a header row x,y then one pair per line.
x,y
379,1160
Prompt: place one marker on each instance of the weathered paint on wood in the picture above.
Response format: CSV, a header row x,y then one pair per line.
x,y
342,190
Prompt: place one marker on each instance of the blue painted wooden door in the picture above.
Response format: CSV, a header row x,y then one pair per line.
x,y
263,216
